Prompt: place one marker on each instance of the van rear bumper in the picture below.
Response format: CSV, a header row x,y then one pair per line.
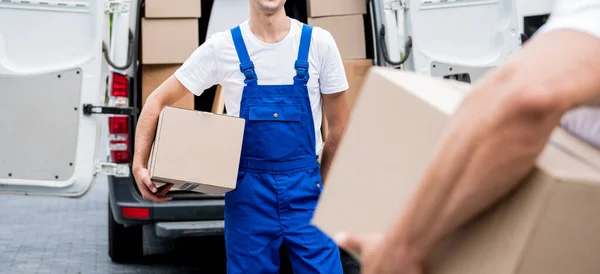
x,y
183,209
189,229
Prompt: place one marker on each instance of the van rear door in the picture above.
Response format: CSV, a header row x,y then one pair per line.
x,y
453,39
51,65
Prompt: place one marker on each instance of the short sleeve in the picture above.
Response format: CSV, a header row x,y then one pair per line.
x,y
579,15
583,122
200,71
332,78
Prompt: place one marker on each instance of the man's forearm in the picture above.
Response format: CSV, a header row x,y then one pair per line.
x,y
331,144
494,138
474,167
145,132
337,111
166,94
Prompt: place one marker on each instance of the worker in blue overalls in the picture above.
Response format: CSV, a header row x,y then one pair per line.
x,y
277,74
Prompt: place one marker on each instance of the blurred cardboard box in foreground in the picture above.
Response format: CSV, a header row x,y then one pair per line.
x,y
196,151
549,225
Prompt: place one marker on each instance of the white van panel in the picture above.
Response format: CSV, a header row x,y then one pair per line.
x,y
38,41
227,14
462,36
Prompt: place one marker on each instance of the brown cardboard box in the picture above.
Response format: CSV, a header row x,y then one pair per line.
x,y
196,151
356,70
173,9
549,225
348,32
168,41
320,8
154,75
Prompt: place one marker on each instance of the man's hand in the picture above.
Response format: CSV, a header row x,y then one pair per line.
x,y
379,255
166,94
148,189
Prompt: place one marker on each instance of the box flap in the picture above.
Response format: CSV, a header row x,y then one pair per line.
x,y
443,95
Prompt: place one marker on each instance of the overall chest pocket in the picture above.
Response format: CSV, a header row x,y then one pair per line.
x,y
275,113
276,132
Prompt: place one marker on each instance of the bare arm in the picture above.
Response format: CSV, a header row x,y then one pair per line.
x,y
166,94
337,110
493,140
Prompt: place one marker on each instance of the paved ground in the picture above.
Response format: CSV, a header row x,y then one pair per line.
x,y
49,235
62,235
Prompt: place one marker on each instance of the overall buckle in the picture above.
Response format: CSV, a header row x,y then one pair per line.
x,y
248,70
302,70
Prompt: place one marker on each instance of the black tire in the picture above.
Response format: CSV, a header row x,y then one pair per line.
x,y
349,264
125,244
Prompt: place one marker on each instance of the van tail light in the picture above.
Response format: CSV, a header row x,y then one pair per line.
x,y
120,86
118,125
136,212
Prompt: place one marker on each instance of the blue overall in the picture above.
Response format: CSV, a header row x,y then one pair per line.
x,y
279,179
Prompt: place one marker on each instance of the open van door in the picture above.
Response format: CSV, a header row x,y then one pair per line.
x,y
455,39
52,76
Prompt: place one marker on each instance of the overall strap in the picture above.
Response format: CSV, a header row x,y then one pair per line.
x,y
301,64
246,66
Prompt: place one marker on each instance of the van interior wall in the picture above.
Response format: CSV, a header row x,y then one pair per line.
x,y
369,45
531,24
204,102
296,9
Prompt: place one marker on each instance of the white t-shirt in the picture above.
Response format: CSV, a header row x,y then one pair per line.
x,y
216,62
584,16
580,15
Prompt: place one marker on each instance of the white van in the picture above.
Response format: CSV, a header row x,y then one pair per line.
x,y
64,73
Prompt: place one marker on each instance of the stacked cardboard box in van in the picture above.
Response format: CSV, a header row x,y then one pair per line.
x,y
169,34
344,19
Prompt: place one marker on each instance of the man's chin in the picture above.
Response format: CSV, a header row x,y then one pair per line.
x,y
268,9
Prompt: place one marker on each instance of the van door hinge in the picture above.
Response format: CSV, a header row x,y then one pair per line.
x,y
395,4
112,169
116,6
89,109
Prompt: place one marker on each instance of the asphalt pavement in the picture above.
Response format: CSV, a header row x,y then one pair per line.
x,y
70,236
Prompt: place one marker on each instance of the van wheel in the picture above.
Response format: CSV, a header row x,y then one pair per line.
x,y
125,244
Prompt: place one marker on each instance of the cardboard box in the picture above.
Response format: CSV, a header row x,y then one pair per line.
x,y
154,75
356,70
549,225
348,32
173,9
320,8
196,151
168,41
